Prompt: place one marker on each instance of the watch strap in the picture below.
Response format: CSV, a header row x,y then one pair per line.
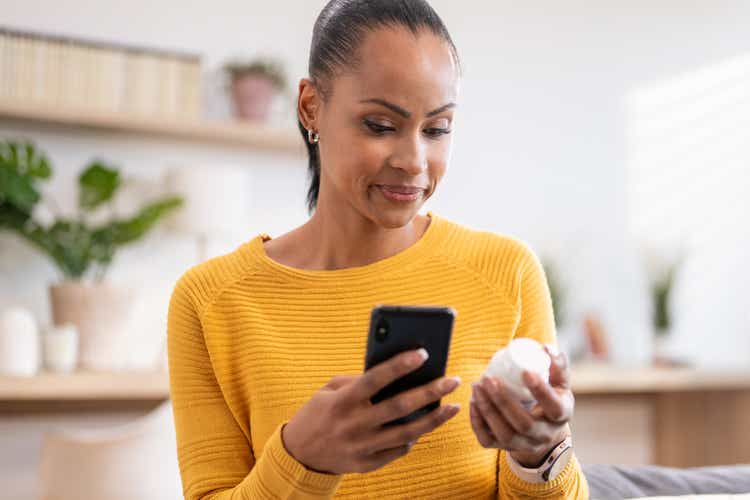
x,y
553,464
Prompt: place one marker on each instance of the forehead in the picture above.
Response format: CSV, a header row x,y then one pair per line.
x,y
414,71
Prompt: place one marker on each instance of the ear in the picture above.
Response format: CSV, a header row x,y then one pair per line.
x,y
308,104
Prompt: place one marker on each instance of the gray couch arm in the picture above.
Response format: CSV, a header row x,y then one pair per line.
x,y
611,482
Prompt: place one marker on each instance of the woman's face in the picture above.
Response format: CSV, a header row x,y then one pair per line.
x,y
387,124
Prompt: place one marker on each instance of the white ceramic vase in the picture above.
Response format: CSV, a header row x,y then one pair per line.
x,y
19,342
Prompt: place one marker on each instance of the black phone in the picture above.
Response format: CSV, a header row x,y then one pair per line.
x,y
394,329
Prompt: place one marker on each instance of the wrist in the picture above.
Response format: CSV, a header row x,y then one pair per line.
x,y
285,442
531,460
555,462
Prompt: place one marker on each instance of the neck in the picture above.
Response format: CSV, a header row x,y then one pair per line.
x,y
341,237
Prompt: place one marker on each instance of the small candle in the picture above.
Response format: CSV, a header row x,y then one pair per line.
x,y
508,364
61,348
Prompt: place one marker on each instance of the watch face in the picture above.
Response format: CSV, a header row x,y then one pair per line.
x,y
558,464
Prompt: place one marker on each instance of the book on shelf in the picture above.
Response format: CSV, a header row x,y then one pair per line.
x,y
80,74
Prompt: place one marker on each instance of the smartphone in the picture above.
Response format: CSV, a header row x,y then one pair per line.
x,y
394,329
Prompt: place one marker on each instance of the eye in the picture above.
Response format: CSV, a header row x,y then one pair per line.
x,y
437,132
376,127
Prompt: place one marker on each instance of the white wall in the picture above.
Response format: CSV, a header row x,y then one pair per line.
x,y
542,147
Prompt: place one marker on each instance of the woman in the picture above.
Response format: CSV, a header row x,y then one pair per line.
x,y
266,343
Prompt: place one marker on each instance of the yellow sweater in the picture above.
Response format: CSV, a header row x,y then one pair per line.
x,y
251,340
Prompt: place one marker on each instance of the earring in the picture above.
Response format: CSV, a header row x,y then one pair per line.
x,y
313,137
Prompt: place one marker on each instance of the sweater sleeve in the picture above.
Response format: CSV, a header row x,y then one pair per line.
x,y
215,456
537,321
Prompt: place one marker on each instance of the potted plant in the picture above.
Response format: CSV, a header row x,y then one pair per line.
x,y
556,291
253,85
661,273
80,249
566,332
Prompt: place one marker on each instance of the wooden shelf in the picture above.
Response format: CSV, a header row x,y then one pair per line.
x,y
86,386
235,134
598,378
587,379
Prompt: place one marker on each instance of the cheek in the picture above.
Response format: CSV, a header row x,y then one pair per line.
x,y
366,161
438,164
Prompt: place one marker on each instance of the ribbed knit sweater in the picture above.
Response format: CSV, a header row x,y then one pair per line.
x,y
250,340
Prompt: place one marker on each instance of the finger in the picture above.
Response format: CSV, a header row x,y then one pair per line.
x,y
406,402
398,435
537,412
559,373
557,406
515,414
382,374
340,381
481,430
504,434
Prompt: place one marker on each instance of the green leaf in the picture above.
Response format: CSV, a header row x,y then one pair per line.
x,y
97,185
17,190
24,159
71,243
35,163
12,218
129,230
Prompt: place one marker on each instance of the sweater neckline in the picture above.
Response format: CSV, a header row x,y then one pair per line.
x,y
422,247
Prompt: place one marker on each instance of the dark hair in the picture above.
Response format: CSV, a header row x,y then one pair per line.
x,y
339,31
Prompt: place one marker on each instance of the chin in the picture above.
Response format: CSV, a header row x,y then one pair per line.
x,y
395,218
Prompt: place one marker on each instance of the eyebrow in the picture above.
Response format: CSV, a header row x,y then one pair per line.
x,y
401,111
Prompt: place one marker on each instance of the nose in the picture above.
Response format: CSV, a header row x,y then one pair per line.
x,y
411,155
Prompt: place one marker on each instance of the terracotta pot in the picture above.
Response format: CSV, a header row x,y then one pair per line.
x,y
253,96
101,314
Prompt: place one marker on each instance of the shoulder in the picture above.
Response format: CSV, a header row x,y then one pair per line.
x,y
487,250
501,259
203,282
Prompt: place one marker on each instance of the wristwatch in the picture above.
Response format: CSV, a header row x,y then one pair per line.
x,y
554,463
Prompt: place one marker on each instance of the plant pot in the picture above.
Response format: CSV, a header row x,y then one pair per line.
x,y
661,345
253,96
101,315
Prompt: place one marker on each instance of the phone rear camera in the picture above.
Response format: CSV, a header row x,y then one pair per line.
x,y
381,330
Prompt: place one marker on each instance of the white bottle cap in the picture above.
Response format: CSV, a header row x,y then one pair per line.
x,y
508,364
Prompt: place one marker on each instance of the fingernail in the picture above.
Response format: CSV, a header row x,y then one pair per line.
x,y
450,383
419,357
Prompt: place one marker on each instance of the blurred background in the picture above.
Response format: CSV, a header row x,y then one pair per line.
x,y
140,138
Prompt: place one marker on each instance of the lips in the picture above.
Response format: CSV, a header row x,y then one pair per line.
x,y
401,194
401,189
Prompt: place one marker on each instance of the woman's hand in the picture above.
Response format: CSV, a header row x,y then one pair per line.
x,y
339,430
500,421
